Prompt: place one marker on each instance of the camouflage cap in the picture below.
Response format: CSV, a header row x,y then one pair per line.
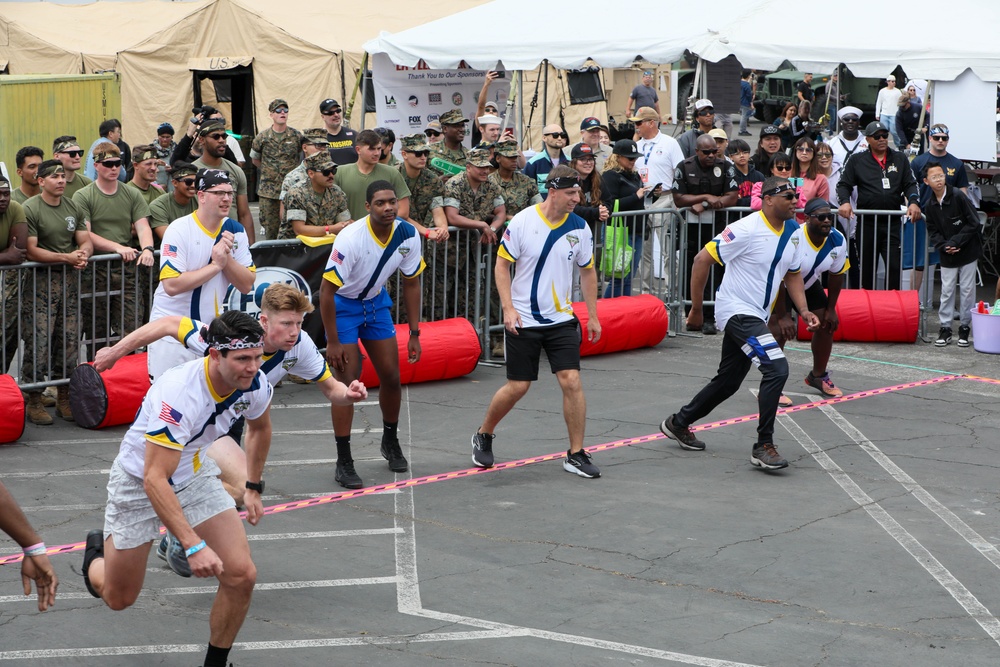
x,y
4,183
316,135
50,167
210,126
106,151
507,148
453,117
143,153
63,146
276,103
183,169
415,143
320,161
479,157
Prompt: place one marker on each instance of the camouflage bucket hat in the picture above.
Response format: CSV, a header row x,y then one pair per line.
x,y
415,143
507,148
316,135
319,161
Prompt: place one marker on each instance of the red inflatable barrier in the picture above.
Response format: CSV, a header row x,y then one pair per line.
x,y
627,323
109,398
12,415
448,349
874,316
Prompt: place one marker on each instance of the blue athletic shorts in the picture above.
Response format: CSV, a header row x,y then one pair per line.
x,y
367,320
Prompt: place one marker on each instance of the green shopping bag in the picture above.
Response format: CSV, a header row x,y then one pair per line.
x,y
617,258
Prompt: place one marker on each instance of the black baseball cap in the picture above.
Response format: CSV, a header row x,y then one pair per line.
x,y
627,148
328,105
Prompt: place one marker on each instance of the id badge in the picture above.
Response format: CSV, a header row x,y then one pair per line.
x,y
644,173
885,183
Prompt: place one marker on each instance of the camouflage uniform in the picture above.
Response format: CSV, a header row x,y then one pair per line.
x,y
328,208
11,281
278,153
518,193
458,156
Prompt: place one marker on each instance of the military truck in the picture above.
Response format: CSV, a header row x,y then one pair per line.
x,y
776,89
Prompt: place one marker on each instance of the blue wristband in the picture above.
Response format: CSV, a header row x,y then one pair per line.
x,y
195,549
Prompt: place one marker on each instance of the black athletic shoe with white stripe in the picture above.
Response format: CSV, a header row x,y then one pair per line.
x,y
482,449
580,464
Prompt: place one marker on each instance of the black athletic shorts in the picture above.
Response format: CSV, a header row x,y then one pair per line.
x,y
561,343
815,298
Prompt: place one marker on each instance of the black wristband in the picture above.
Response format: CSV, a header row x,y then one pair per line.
x,y
258,487
415,333
150,248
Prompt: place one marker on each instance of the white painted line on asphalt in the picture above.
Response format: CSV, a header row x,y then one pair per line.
x,y
300,406
979,613
329,533
105,471
977,541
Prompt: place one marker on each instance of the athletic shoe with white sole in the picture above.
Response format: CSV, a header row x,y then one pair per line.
x,y
767,457
580,463
482,449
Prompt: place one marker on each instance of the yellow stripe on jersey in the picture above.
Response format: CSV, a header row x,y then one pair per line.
x,y
325,376
713,249
168,271
502,252
559,305
847,265
552,225
196,461
589,264
334,277
211,389
163,440
368,224
416,273
197,221
186,328
252,268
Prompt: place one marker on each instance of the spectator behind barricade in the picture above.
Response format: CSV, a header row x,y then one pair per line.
x,y
954,169
212,134
643,95
591,208
490,125
908,119
845,144
824,165
275,152
67,150
518,191
746,175
426,190
110,131
317,207
388,138
705,184
433,132
605,138
809,183
117,218
56,235
485,107
704,121
164,146
340,139
768,143
780,166
748,90
622,185
355,178
554,140
784,124
177,203
13,241
721,142
802,125
590,134
145,166
955,232
886,105
450,149
35,565
191,146
884,181
27,160
313,141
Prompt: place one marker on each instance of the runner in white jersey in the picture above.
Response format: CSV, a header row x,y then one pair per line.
x,y
355,306
543,244
824,250
286,349
201,255
162,475
757,251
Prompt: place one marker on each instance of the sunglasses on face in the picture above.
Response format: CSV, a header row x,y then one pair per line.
x,y
708,152
707,112
559,135
281,110
186,181
788,196
328,172
880,135
782,167
432,133
804,149
822,155
331,112
940,137
420,153
78,153
823,217
217,137
111,164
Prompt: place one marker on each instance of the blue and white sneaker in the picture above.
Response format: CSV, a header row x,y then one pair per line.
x,y
172,551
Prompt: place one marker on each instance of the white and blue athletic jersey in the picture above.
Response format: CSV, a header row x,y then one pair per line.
x,y
756,258
187,246
303,358
544,254
360,264
183,412
831,256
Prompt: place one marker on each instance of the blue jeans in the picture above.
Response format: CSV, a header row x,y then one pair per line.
x,y
623,286
890,123
745,113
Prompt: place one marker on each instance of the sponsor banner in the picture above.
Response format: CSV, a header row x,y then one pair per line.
x,y
407,98
296,264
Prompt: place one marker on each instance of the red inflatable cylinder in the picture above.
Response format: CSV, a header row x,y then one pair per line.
x,y
874,316
12,415
448,349
627,323
110,398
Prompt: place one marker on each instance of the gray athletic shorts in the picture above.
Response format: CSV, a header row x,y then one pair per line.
x,y
131,519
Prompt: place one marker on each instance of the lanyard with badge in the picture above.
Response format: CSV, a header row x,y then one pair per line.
x,y
885,175
644,170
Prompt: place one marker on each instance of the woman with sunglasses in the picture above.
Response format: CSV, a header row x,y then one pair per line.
x,y
780,166
784,124
590,207
809,183
621,183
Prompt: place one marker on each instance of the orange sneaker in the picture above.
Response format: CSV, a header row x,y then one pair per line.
x,y
824,384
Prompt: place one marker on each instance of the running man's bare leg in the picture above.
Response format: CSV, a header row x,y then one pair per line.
x,y
384,355
119,575
225,535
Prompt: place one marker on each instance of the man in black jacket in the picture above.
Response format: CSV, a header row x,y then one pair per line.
x,y
955,232
884,180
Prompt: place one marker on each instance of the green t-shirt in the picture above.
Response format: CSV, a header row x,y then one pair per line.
x,y
14,215
150,194
165,210
355,185
112,216
239,180
79,183
18,195
53,226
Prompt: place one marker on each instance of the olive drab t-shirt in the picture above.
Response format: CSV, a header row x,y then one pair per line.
x,y
112,216
53,226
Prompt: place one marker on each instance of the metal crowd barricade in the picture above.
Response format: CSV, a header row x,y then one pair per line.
x,y
55,316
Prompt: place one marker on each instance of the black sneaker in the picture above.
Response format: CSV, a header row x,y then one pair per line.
x,y
392,453
176,558
579,463
963,336
482,449
944,337
709,328
767,457
684,437
94,549
347,476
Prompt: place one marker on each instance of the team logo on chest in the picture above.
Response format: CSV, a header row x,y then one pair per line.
x,y
404,251
288,362
834,254
795,241
241,405
572,239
